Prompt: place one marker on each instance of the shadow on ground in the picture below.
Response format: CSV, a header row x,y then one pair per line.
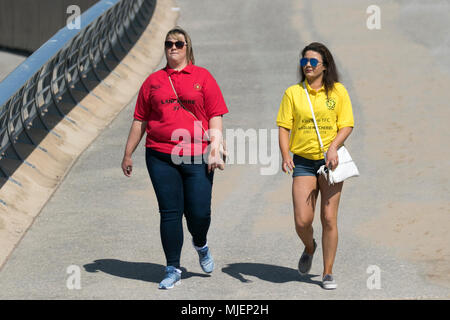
x,y
144,271
267,272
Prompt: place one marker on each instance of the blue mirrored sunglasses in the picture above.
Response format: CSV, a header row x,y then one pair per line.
x,y
313,61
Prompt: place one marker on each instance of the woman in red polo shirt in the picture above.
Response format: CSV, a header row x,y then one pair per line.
x,y
178,107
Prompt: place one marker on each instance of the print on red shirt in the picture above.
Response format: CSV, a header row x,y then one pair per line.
x,y
157,104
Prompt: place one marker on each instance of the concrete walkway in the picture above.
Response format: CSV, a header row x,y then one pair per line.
x,y
8,62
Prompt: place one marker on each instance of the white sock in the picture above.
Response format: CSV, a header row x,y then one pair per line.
x,y
199,248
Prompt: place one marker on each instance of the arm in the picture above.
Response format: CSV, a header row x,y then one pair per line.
x,y
215,133
332,156
137,130
283,140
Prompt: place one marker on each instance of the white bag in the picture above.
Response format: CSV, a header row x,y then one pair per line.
x,y
346,167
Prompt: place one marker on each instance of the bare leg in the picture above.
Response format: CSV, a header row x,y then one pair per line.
x,y
330,196
304,195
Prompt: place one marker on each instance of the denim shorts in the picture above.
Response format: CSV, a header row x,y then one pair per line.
x,y
306,167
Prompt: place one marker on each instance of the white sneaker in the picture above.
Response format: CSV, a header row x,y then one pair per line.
x,y
171,279
328,282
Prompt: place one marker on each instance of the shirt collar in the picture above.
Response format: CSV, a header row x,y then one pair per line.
x,y
187,69
311,89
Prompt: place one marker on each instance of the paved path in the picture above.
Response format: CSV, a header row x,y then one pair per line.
x,y
108,225
8,62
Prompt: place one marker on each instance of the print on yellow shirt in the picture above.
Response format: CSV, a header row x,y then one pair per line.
x,y
331,113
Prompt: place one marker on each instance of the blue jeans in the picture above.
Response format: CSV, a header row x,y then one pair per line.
x,y
180,189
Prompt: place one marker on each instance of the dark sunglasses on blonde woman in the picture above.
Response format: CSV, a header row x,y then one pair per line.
x,y
178,44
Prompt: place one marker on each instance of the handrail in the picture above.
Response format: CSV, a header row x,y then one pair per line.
x,y
44,88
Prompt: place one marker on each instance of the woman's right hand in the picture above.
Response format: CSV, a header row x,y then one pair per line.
x,y
127,165
288,164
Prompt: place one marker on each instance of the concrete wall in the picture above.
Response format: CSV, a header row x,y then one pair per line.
x,y
27,24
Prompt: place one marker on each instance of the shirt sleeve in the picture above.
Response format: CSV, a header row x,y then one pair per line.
x,y
143,105
344,110
214,101
285,117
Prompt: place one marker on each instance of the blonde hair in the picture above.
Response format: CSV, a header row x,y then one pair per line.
x,y
189,51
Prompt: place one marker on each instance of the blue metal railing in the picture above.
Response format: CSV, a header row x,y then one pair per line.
x,y
40,92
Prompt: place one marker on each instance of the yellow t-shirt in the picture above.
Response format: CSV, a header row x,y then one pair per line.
x,y
331,114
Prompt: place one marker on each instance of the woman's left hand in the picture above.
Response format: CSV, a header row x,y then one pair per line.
x,y
332,158
215,160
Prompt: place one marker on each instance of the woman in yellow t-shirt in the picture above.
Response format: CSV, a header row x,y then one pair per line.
x,y
333,111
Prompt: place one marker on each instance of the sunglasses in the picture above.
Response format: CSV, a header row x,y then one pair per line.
x,y
313,61
178,44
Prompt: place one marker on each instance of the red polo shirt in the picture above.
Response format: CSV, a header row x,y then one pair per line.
x,y
157,104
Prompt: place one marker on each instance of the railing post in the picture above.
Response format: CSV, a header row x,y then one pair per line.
x,y
28,95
